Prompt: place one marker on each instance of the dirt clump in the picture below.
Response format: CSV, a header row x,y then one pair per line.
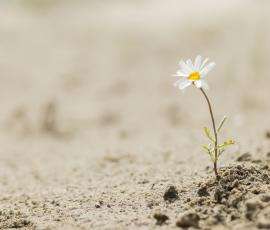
x,y
171,194
244,157
267,134
188,219
202,191
240,196
160,218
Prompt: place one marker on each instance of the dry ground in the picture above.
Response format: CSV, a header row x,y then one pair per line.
x,y
92,131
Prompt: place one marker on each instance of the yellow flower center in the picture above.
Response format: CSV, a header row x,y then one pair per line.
x,y
194,76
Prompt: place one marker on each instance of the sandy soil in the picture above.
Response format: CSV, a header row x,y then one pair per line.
x,y
93,135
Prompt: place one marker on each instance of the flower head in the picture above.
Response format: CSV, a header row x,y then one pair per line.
x,y
193,73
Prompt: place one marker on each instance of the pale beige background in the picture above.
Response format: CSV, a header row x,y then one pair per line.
x,y
100,71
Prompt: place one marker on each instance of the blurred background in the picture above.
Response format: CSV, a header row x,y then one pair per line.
x,y
88,82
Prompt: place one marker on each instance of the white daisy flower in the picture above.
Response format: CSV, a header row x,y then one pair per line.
x,y
193,73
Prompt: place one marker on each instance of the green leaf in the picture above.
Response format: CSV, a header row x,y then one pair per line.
x,y
208,151
220,152
221,123
226,144
208,134
206,148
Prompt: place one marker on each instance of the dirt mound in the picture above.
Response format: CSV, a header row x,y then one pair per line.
x,y
240,199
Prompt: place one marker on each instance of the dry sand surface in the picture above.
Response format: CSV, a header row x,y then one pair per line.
x,y
94,136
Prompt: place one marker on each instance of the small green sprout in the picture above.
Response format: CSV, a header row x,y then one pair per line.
x,y
213,149
194,74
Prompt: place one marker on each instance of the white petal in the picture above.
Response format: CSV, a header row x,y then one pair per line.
x,y
182,85
184,67
202,76
204,85
207,69
197,63
177,83
189,63
204,62
180,73
198,84
201,84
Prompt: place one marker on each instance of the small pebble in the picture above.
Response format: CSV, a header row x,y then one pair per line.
x,y
252,206
160,218
265,198
188,219
171,194
244,157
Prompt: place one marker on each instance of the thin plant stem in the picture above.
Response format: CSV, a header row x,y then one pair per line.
x,y
215,132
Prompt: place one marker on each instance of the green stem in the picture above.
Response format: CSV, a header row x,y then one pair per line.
x,y
215,132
